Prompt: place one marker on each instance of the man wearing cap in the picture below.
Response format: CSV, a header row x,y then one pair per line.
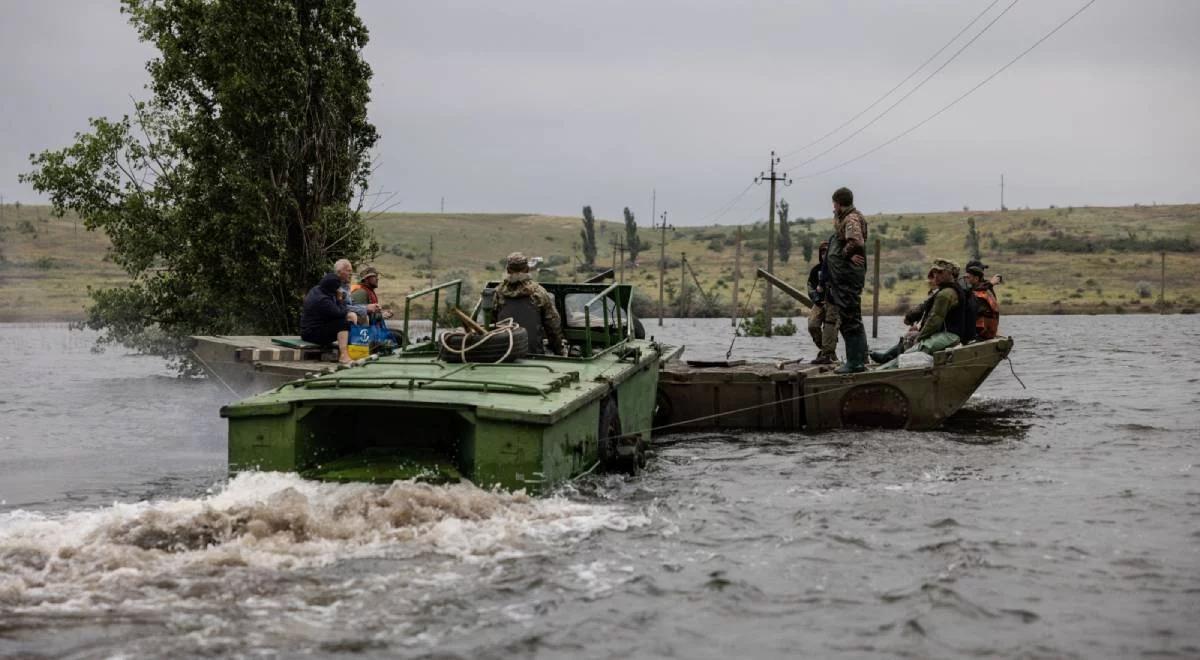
x,y
987,309
946,320
529,305
847,263
365,293
823,335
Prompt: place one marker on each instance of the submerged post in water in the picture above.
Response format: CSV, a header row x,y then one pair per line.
x,y
875,303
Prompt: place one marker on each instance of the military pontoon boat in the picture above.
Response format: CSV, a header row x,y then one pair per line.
x,y
526,423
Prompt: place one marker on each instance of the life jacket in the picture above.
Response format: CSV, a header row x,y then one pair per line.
x,y
372,297
987,320
961,319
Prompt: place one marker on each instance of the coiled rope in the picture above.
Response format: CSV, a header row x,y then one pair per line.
x,y
503,326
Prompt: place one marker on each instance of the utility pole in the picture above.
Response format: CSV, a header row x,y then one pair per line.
x,y
430,260
1002,193
443,204
773,178
1162,283
682,283
621,261
662,267
737,276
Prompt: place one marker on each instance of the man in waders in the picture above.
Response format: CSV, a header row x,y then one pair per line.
x,y
823,335
847,262
529,305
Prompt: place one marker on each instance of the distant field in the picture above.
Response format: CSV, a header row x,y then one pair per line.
x,y
47,263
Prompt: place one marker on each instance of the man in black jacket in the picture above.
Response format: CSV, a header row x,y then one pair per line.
x,y
324,318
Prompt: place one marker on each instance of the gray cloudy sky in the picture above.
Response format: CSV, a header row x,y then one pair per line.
x,y
546,106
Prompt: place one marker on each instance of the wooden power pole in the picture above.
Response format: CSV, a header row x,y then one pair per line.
x,y
773,178
662,267
737,276
875,303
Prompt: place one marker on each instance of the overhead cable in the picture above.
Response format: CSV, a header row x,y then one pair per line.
x,y
955,101
910,92
898,85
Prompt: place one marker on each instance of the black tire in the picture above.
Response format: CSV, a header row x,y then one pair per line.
x,y
639,330
617,453
491,350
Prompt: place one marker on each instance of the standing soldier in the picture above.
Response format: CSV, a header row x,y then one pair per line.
x,y
847,261
529,305
823,335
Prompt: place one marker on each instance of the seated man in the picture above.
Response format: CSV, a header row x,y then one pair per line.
x,y
945,324
529,305
987,318
324,319
343,269
365,293
912,319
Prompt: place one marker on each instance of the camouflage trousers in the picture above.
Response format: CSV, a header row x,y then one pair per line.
x,y
823,327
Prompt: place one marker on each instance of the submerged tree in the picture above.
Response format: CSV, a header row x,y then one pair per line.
x,y
232,189
633,242
588,236
784,244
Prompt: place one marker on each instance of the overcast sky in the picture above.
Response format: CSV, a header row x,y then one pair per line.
x,y
543,107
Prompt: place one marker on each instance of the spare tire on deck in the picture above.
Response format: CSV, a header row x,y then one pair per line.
x,y
492,347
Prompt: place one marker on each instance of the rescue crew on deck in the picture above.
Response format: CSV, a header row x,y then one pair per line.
x,y
529,305
847,261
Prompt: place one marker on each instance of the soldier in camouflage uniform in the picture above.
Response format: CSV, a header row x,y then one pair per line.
x,y
518,285
847,262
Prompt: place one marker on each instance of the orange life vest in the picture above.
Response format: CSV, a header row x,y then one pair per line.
x,y
987,319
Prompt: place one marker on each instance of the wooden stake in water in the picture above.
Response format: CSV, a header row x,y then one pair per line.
x,y
875,304
737,276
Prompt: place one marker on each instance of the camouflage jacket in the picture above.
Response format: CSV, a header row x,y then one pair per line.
x,y
521,285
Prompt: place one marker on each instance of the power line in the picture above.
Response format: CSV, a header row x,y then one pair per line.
x,y
898,85
914,89
726,207
955,101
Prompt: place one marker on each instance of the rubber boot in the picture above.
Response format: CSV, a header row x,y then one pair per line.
x,y
888,355
856,354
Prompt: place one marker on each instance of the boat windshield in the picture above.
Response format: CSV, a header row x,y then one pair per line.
x,y
574,304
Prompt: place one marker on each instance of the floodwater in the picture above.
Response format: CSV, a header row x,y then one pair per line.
x,y
1057,521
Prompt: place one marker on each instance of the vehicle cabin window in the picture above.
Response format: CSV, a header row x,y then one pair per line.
x,y
574,305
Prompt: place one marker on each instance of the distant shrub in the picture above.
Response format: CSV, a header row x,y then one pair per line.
x,y
1144,290
44,263
908,271
918,235
889,282
882,227
716,245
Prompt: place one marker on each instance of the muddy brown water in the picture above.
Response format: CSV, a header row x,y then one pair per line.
x,y
1058,521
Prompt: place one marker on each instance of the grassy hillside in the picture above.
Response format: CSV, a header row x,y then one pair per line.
x,y
1068,260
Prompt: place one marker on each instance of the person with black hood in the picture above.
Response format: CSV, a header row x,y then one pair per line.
x,y
325,319
824,335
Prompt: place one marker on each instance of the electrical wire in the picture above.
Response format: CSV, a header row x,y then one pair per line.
x,y
898,85
912,91
956,100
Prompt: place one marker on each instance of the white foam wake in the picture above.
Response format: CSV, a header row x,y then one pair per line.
x,y
274,522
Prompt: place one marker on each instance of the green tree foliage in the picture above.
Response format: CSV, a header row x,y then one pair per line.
x,y
239,182
972,241
633,243
588,236
784,244
806,244
918,235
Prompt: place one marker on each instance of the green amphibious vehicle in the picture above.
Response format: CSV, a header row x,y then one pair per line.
x,y
422,412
